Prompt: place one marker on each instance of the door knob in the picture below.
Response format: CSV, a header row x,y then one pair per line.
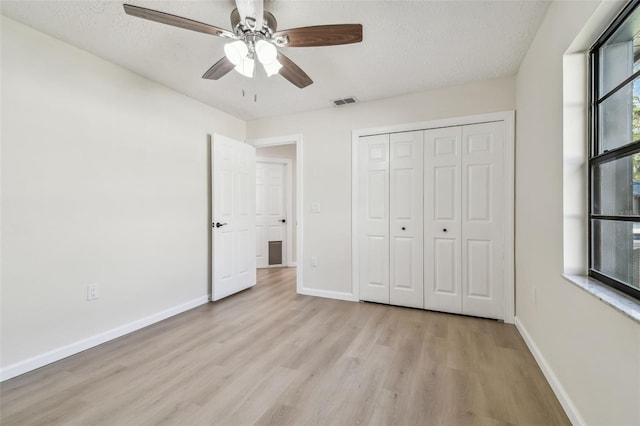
x,y
283,220
218,224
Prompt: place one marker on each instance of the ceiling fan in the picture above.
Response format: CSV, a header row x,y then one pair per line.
x,y
254,36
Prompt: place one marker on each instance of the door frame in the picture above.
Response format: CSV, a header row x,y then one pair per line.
x,y
288,195
295,139
509,169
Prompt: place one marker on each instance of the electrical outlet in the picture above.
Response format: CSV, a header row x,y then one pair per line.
x,y
93,291
314,261
315,207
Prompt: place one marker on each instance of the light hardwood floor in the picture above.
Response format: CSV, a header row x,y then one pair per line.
x,y
269,356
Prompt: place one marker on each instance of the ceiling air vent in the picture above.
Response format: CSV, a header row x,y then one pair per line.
x,y
344,101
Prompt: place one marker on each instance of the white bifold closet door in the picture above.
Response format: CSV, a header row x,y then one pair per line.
x,y
442,217
391,231
373,243
464,219
405,219
483,221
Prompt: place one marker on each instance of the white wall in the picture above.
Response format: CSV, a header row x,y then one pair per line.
x,y
104,180
327,162
288,152
592,349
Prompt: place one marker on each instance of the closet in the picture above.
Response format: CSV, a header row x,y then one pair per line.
x,y
431,219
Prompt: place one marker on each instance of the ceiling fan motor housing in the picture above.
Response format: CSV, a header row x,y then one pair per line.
x,y
269,24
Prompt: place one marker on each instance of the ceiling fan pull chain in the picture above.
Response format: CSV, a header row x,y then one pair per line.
x,y
255,89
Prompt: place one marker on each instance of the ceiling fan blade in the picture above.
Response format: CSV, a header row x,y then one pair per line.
x,y
293,73
322,35
176,21
219,69
251,9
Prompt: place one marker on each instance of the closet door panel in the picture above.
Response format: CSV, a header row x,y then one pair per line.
x,y
483,219
406,219
373,221
442,214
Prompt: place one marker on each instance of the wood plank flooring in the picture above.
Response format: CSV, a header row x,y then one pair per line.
x,y
268,356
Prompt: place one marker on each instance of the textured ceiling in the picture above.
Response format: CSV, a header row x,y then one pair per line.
x,y
408,46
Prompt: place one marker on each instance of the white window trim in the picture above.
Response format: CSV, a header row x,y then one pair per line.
x,y
576,160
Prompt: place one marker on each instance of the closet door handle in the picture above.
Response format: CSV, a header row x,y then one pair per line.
x,y
404,229
444,230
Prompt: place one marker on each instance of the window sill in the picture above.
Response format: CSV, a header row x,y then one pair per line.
x,y
619,301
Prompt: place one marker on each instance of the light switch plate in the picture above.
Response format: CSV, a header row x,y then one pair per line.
x,y
93,291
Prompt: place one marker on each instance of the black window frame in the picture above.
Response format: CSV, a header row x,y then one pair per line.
x,y
596,159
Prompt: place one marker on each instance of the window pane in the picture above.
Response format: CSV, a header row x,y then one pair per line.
x,y
620,118
616,187
620,55
616,250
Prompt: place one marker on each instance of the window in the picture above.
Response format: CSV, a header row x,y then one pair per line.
x,y
614,158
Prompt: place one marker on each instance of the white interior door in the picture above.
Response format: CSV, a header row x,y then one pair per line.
x,y
442,212
483,221
271,214
405,225
234,218
373,152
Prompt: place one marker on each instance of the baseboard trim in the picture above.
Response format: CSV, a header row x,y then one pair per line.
x,y
54,355
291,265
339,295
558,389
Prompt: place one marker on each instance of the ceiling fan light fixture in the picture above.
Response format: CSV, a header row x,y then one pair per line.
x,y
246,66
266,52
272,68
236,51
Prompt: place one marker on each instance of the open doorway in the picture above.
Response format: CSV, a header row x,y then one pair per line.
x,y
275,203
278,208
